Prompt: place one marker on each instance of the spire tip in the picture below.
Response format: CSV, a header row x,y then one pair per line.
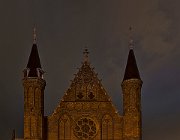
x,y
131,41
34,35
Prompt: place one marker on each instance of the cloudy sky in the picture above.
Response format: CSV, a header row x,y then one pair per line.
x,y
65,27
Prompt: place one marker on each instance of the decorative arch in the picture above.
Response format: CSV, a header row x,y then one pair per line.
x,y
31,97
64,128
38,99
107,127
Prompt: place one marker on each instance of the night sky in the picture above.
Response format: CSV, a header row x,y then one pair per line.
x,y
65,27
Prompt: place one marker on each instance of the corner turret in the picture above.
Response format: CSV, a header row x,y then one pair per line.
x,y
33,68
34,86
131,87
131,71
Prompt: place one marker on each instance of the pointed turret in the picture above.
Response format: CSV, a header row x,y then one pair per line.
x,y
34,62
131,71
34,86
33,68
131,87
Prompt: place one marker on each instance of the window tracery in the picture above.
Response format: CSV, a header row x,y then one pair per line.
x,y
85,128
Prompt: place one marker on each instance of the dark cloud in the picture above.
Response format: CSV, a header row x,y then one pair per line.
x,y
66,26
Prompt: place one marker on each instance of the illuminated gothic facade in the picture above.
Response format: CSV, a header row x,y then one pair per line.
x,y
86,111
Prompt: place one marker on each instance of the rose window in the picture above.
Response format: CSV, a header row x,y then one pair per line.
x,y
85,128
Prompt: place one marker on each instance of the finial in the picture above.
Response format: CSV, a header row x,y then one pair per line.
x,y
131,41
34,35
86,53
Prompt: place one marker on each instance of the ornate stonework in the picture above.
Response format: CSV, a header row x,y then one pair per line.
x,y
132,109
89,110
86,111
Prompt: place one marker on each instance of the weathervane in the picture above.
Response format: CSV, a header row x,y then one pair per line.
x,y
34,35
131,41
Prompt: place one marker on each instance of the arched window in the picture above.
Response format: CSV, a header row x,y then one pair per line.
x,y
64,128
107,127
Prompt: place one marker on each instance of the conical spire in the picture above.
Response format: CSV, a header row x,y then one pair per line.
x,y
34,61
131,71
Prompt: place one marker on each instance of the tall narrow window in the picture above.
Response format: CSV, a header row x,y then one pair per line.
x,y
107,127
64,132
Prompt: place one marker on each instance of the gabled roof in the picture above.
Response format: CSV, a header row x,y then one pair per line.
x,y
131,71
85,91
86,86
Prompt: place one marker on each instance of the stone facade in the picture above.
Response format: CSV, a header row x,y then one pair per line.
x,y
85,112
33,108
132,109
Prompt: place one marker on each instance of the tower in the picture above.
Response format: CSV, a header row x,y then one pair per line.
x,y
131,87
86,110
34,86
